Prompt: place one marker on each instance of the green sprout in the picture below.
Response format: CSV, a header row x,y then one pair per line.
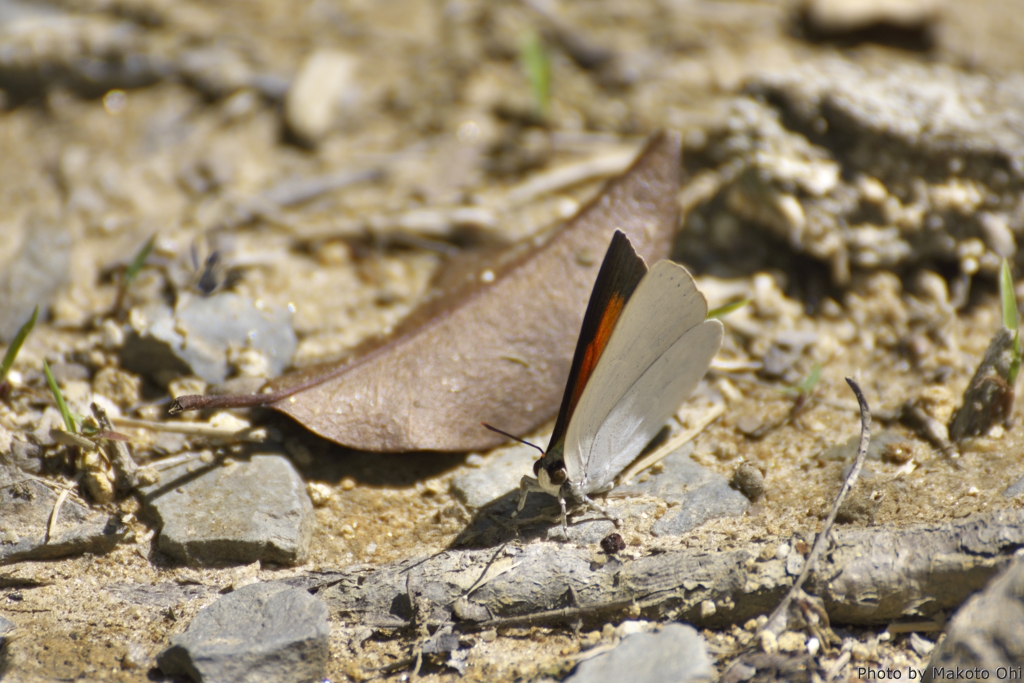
x,y
807,384
137,262
15,347
533,57
1011,320
69,422
726,309
133,270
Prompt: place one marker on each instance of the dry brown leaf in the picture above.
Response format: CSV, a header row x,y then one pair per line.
x,y
493,351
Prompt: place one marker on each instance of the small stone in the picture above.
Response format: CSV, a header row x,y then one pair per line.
x,y
792,641
112,335
348,483
263,631
489,636
255,510
498,474
319,493
135,656
323,88
838,17
630,627
196,337
707,608
123,388
767,642
748,480
25,510
985,632
6,627
675,654
921,645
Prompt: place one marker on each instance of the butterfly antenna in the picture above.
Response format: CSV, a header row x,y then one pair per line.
x,y
514,438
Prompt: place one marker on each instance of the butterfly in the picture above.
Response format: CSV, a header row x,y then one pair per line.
x,y
644,345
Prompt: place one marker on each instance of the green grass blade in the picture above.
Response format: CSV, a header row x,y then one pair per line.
x,y
807,386
15,347
69,422
728,308
1011,318
138,262
534,59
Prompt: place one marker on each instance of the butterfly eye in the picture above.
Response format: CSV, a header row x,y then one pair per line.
x,y
558,476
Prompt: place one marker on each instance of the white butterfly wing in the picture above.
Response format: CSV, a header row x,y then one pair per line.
x,y
660,348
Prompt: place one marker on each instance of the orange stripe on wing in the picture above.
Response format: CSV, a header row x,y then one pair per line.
x,y
595,347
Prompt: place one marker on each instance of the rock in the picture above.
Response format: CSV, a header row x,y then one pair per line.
x,y
497,474
261,632
322,89
1014,489
988,399
26,456
987,632
6,626
203,333
675,654
701,494
25,508
236,513
33,275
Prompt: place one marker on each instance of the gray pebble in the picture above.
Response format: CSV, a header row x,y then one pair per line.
x,y
1014,489
25,509
261,632
675,654
233,514
6,626
702,495
33,276
987,631
498,474
26,456
196,338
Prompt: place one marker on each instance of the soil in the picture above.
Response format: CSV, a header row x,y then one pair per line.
x,y
440,102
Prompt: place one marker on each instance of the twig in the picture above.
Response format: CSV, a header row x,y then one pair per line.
x,y
251,434
562,177
773,623
51,528
675,442
120,457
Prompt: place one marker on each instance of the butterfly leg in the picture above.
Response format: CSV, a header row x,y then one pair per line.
x,y
526,484
565,524
589,502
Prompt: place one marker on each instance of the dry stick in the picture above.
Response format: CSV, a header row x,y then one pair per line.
x,y
120,457
822,540
51,528
251,434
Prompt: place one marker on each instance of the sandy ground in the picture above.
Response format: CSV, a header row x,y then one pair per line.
x,y
439,100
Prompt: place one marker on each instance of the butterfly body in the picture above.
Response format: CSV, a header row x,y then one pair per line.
x,y
643,347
